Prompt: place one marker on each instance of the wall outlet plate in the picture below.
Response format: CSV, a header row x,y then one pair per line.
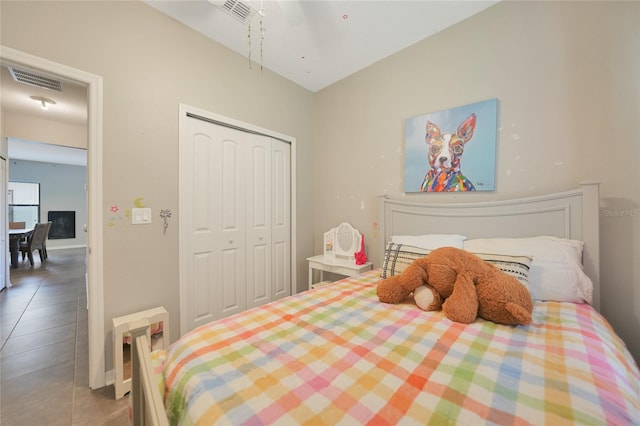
x,y
140,216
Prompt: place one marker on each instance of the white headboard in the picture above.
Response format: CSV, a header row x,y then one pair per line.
x,y
572,214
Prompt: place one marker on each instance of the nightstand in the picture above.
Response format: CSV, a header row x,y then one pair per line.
x,y
334,265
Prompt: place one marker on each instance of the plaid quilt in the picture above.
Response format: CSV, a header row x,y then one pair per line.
x,y
337,356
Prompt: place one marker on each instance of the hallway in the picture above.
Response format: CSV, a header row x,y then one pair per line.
x,y
44,361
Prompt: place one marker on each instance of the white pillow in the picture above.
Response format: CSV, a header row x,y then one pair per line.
x,y
556,271
430,241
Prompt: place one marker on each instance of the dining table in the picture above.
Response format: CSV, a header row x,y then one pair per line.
x,y
15,236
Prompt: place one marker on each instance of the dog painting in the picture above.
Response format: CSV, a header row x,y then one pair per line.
x,y
434,157
445,153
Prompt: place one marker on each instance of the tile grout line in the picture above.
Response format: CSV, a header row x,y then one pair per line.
x,y
36,348
40,283
79,405
21,315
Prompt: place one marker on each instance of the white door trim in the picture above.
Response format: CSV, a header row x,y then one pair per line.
x,y
9,56
182,195
4,223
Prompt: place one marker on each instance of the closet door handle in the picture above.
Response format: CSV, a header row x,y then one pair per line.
x,y
230,241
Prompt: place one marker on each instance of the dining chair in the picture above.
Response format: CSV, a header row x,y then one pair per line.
x,y
36,241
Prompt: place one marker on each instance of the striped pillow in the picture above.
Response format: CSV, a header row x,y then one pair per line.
x,y
516,266
398,256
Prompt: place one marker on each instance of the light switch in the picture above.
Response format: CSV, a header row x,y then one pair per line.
x,y
140,216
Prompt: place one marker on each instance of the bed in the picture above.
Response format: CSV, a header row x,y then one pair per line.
x,y
336,355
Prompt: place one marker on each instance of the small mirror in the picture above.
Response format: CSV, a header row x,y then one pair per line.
x,y
156,331
157,334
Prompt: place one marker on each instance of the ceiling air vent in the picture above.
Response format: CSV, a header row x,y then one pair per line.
x,y
33,79
239,10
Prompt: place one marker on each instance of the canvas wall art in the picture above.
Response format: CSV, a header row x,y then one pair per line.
x,y
452,150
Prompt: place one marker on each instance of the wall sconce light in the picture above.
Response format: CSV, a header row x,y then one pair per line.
x,y
44,102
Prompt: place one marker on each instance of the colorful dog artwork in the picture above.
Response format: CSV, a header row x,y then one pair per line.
x,y
445,153
435,144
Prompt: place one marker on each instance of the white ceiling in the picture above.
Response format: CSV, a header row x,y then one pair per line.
x,y
70,107
315,43
46,153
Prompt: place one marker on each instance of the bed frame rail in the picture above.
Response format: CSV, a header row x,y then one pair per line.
x,y
148,408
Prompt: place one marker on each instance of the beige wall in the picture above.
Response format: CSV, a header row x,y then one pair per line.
x,y
30,128
149,64
566,75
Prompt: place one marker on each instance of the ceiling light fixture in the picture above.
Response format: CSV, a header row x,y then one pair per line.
x,y
44,102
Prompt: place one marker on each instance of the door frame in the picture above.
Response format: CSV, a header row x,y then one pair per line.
x,y
95,295
4,215
182,238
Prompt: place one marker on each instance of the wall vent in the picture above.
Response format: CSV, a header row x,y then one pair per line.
x,y
239,10
33,79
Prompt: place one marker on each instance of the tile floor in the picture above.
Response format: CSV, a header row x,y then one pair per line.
x,y
44,361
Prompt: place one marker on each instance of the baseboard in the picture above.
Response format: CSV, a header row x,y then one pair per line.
x,y
52,248
110,377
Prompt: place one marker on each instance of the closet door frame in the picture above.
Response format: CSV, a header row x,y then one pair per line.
x,y
185,192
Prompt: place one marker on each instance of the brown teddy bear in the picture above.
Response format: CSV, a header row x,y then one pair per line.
x,y
463,285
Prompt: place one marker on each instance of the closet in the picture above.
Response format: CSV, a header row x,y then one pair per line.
x,y
235,220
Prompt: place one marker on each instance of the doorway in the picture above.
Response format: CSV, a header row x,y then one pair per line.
x,y
93,84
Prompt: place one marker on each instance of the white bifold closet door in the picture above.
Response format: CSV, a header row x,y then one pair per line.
x,y
238,236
